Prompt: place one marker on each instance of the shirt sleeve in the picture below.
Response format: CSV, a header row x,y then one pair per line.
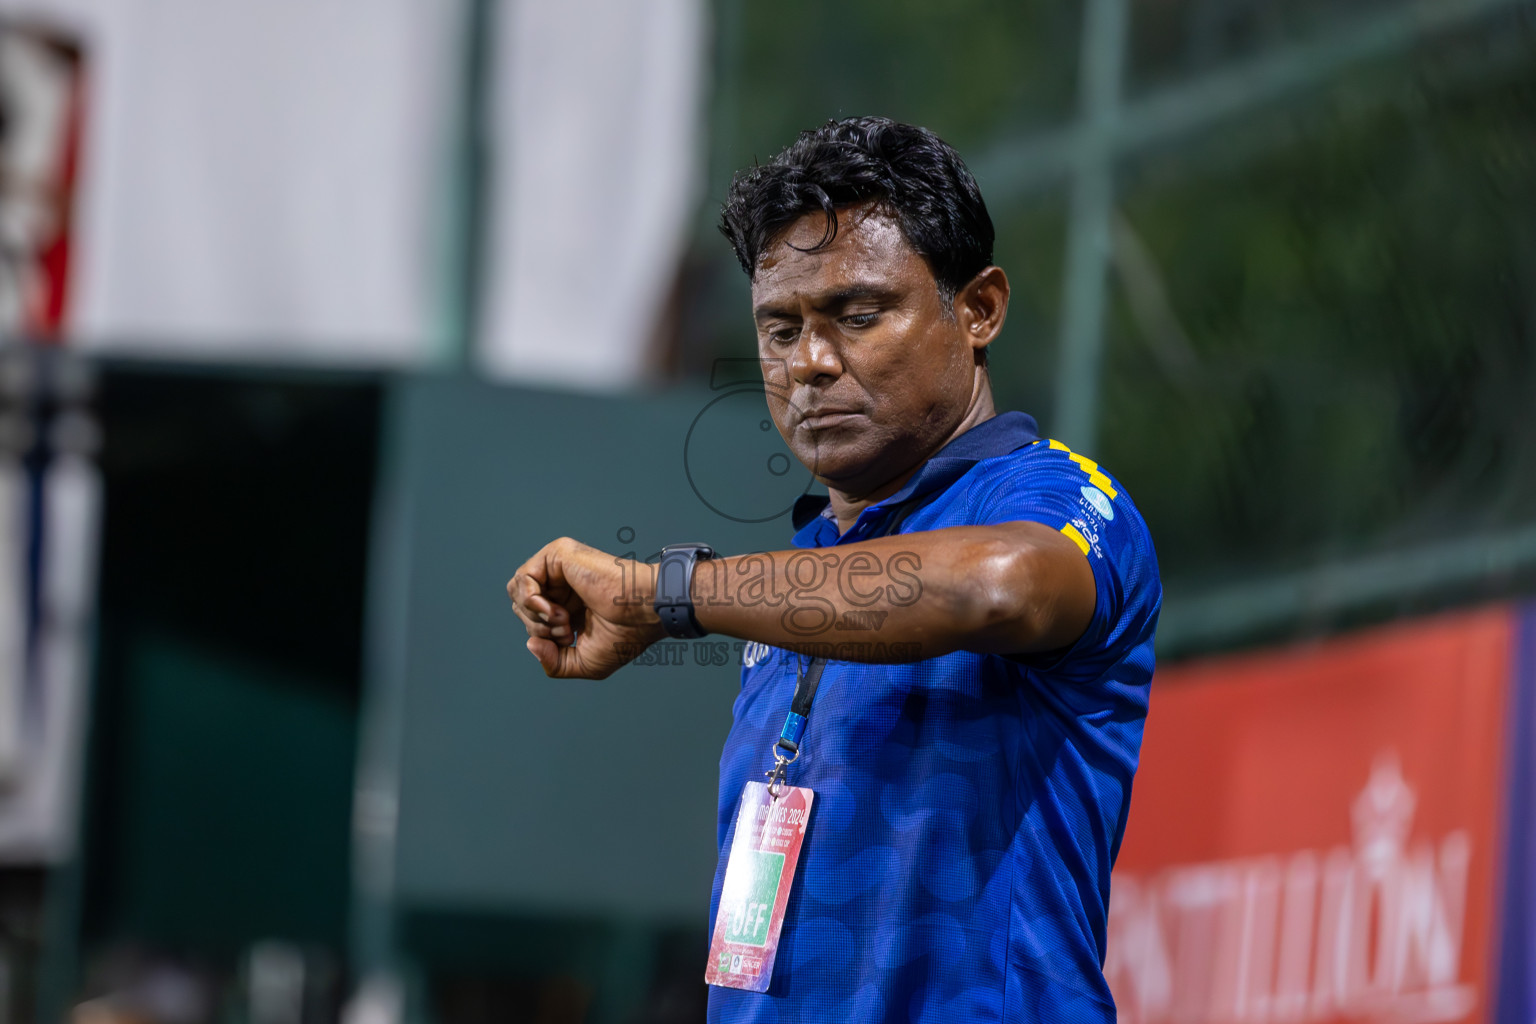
x,y
1048,483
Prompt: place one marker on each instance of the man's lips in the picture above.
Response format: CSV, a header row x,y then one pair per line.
x,y
824,419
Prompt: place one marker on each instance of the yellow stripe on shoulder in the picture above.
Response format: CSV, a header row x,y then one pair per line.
x,y
1095,476
1076,537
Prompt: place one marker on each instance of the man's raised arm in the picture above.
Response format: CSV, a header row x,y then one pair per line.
x,y
1009,588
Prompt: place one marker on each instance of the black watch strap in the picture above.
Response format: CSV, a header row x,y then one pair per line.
x,y
674,588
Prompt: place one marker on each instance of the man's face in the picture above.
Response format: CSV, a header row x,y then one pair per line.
x,y
868,374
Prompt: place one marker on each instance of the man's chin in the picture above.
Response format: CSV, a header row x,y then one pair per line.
x,y
852,479
830,465
851,464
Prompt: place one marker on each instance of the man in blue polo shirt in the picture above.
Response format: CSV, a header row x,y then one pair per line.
x,y
964,635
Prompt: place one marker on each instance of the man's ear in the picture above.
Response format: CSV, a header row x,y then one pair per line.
x,y
982,306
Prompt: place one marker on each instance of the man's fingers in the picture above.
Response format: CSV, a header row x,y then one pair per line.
x,y
536,567
537,629
558,662
563,618
542,617
545,569
527,609
557,620
543,602
552,611
547,653
527,592
539,607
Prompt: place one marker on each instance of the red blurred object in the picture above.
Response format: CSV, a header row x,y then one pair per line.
x,y
41,110
1315,833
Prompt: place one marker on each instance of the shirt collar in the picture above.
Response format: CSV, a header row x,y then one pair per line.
x,y
997,436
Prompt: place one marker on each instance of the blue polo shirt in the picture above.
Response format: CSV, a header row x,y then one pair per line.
x,y
968,807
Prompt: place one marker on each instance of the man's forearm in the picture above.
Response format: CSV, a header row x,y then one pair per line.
x,y
1003,589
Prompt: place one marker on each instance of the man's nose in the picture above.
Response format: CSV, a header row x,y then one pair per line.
x,y
814,357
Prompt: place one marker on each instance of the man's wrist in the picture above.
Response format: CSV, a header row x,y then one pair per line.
x,y
647,574
635,605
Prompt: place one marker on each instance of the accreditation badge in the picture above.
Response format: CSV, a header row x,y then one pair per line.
x,y
769,830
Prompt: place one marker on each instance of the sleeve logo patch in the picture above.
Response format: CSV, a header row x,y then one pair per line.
x,y
1084,536
1099,501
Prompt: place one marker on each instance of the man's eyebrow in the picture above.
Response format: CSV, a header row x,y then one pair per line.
x,y
768,311
831,300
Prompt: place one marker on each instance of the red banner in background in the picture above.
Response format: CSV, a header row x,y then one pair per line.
x,y
1315,833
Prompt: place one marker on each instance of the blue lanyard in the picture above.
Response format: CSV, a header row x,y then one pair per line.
x,y
806,681
786,749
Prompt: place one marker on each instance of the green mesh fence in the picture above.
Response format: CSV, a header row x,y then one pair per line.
x,y
1320,333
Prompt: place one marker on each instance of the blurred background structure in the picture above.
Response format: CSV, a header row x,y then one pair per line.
x,y
320,316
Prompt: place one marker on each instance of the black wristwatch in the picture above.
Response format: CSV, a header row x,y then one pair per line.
x,y
674,588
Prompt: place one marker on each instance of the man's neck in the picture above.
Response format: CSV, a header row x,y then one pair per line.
x,y
846,506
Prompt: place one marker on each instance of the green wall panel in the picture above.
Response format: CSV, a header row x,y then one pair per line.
x,y
526,795
236,785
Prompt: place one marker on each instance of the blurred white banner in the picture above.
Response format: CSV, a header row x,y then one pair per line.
x,y
596,119
261,179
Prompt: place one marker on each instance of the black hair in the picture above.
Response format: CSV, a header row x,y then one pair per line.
x,y
915,174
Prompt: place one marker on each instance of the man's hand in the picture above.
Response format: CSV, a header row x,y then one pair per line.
x,y
588,613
